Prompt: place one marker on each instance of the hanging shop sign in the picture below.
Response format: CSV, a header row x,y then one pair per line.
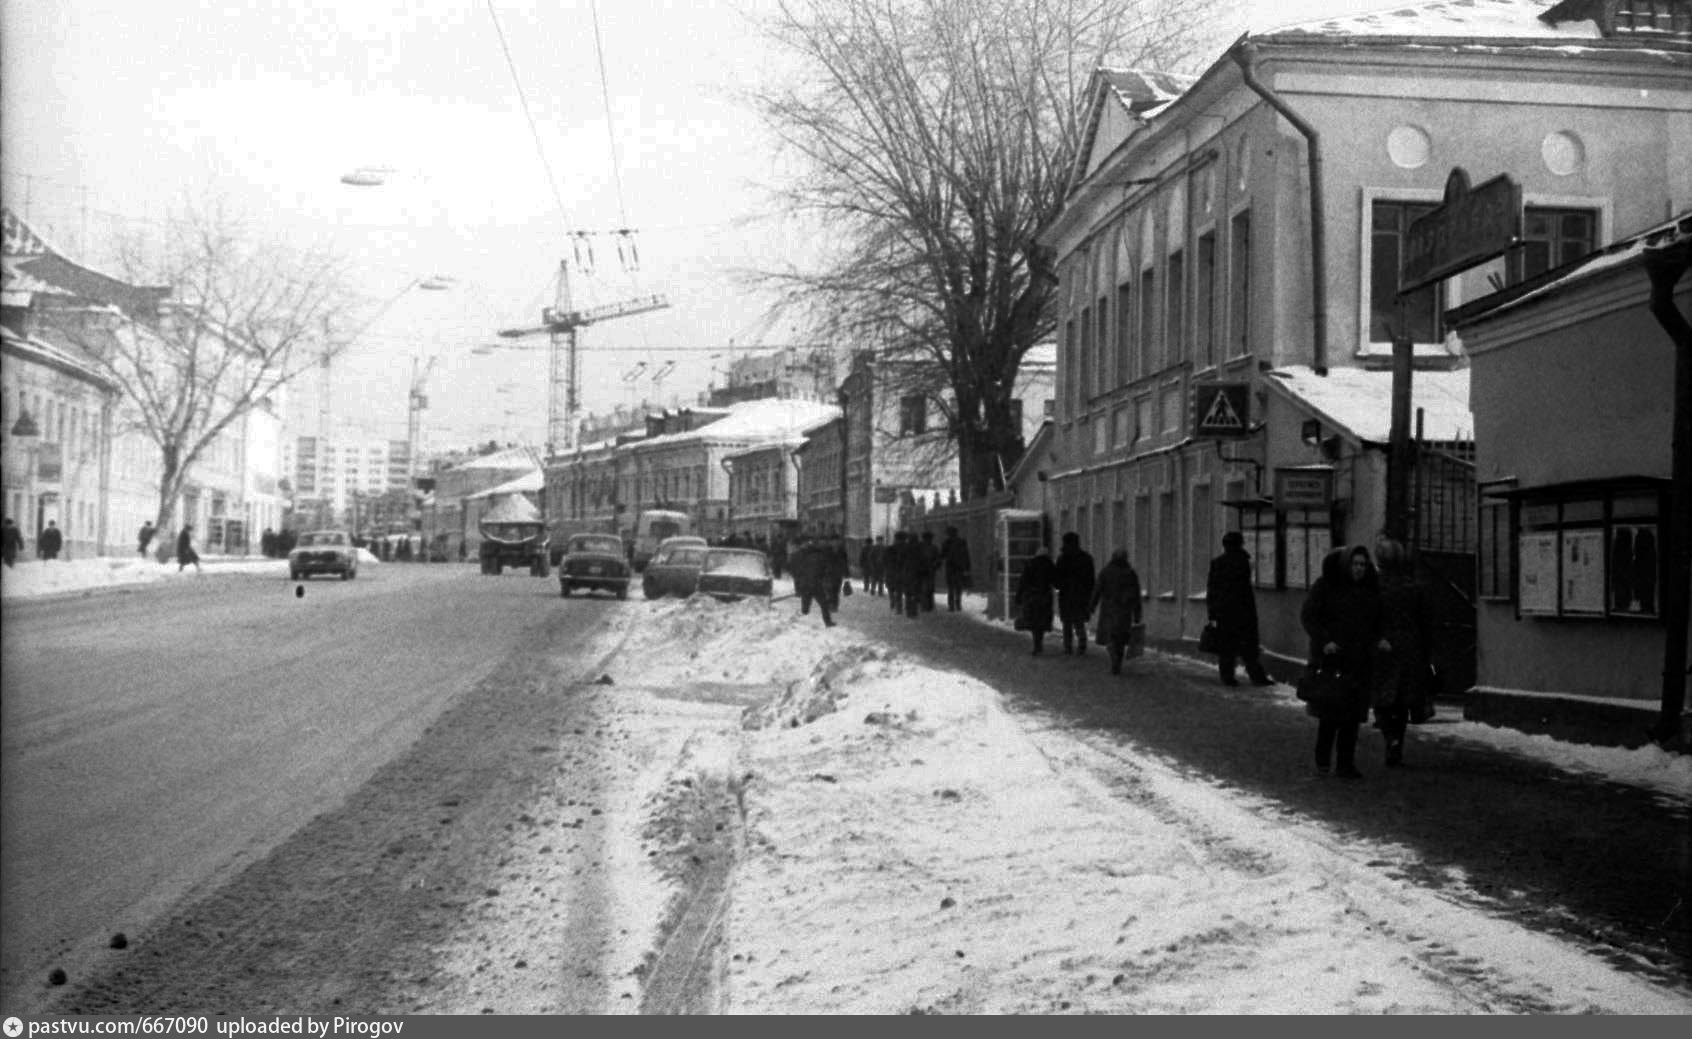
x,y
1304,487
1222,410
1472,226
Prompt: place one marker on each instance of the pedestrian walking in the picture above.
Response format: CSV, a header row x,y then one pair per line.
x,y
929,554
954,561
864,556
835,569
52,539
1403,671
185,553
1116,597
893,570
1232,606
918,578
1342,616
1034,597
11,542
144,536
808,564
875,571
1074,579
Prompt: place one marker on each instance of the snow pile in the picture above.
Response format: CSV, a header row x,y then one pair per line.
x,y
37,577
911,848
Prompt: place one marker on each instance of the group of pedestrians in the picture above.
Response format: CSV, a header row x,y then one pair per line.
x,y
48,544
906,570
1067,590
1373,629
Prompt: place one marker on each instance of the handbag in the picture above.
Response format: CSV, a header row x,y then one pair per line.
x,y
1210,639
1324,688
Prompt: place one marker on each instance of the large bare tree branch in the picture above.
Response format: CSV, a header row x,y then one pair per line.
x,y
244,317
933,139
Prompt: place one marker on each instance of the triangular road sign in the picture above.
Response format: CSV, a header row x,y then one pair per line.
x,y
1221,417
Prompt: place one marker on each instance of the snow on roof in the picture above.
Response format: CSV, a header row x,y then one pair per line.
x,y
507,458
1361,401
57,356
1626,252
755,420
530,482
1483,19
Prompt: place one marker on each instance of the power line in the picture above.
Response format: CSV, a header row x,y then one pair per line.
x,y
534,131
610,133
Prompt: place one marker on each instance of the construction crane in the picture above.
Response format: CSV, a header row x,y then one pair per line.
x,y
561,321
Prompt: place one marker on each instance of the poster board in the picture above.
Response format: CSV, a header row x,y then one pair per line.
x,y
1536,576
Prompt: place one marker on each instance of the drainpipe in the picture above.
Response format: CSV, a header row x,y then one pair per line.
x,y
1245,55
1665,265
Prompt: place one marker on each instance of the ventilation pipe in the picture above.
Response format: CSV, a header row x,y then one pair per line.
x,y
1244,54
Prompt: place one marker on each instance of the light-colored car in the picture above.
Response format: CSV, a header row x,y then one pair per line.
x,y
674,569
323,552
735,573
594,561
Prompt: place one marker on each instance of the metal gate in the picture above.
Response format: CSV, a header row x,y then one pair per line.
x,y
1443,519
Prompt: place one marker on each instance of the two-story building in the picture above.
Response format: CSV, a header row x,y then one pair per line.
x,y
1230,257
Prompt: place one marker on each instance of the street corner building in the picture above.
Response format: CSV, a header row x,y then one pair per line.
x,y
1241,250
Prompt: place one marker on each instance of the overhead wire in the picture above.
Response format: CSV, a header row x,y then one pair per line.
x,y
534,131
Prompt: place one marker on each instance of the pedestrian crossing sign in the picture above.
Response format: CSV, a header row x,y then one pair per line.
x,y
1222,409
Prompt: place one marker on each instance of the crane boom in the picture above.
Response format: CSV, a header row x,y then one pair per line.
x,y
561,321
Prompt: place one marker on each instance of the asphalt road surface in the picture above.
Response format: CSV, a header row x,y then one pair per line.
x,y
157,740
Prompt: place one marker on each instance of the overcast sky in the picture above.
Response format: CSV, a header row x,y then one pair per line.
x,y
116,112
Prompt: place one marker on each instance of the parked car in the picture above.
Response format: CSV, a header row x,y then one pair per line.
x,y
674,569
323,552
735,573
594,561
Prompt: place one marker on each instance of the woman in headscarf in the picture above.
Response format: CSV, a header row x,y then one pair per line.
x,y
1034,596
1342,616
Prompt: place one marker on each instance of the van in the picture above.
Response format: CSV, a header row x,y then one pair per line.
x,y
653,526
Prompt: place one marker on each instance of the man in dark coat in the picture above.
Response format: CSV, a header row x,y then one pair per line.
x,y
11,542
1116,596
930,554
51,540
1034,597
954,560
875,566
1074,578
144,536
893,571
919,574
1232,606
811,567
185,553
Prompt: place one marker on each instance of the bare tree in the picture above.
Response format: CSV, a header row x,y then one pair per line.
x,y
234,318
933,139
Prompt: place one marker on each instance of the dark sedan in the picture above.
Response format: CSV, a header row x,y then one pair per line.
x,y
594,561
735,573
674,570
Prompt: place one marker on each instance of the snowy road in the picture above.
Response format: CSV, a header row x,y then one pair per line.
x,y
157,740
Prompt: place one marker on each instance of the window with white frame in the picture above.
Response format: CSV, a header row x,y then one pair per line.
x,y
1417,315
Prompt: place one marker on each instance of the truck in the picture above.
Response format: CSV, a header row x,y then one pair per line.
x,y
651,527
514,534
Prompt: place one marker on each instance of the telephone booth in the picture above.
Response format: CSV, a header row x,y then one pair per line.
x,y
1017,536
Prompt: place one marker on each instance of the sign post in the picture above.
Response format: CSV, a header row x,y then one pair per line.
x,y
1468,228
